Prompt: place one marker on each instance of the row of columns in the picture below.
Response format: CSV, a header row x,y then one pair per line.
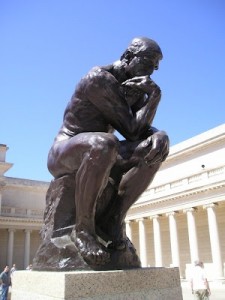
x,y
11,233
174,242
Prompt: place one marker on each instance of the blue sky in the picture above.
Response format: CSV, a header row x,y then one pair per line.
x,y
48,45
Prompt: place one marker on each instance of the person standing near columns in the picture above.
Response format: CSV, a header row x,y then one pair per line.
x,y
5,283
199,283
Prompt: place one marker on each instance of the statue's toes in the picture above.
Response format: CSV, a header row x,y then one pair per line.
x,y
101,257
92,251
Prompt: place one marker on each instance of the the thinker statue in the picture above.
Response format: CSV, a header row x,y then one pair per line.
x,y
109,175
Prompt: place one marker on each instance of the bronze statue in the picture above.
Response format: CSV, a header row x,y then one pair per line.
x,y
109,175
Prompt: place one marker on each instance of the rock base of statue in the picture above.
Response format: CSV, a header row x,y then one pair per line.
x,y
146,283
57,251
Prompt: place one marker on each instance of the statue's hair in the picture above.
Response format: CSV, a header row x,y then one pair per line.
x,y
142,45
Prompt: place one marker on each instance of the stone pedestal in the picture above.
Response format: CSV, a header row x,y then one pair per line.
x,y
136,284
58,251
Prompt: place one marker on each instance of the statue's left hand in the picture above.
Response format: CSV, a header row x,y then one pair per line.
x,y
159,149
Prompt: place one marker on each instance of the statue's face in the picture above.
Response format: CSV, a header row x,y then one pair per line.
x,y
143,65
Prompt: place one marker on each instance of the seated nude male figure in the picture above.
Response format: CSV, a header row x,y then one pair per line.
x,y
110,174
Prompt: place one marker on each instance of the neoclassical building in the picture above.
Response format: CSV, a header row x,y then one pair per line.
x,y
181,216
22,204
177,220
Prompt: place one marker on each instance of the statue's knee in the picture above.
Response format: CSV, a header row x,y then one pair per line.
x,y
111,144
105,148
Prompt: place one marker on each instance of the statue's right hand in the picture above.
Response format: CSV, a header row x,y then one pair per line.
x,y
144,83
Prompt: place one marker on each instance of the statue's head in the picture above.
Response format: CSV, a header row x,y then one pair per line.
x,y
142,46
142,57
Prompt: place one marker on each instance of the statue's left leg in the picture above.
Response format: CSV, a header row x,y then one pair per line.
x,y
132,185
137,176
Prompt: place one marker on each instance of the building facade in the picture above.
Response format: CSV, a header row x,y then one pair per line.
x,y
178,219
22,204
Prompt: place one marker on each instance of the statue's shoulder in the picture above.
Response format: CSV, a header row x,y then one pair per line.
x,y
97,72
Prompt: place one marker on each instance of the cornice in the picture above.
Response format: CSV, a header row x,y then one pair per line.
x,y
20,222
23,220
150,212
188,147
26,183
179,195
4,167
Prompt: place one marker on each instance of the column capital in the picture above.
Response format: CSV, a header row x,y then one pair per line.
x,y
171,213
155,217
140,219
210,205
11,230
190,209
27,230
128,221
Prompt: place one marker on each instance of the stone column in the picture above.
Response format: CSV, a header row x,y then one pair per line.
x,y
10,247
174,239
142,242
27,248
129,230
157,241
0,201
214,240
192,234
2,185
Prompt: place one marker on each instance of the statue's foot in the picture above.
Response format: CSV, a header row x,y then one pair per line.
x,y
90,249
124,254
113,230
121,244
114,233
117,245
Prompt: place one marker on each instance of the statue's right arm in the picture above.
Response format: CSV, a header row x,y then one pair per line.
x,y
104,91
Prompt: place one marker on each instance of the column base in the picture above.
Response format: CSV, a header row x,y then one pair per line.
x,y
146,283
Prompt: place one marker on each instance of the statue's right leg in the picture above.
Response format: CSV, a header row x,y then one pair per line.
x,y
92,156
